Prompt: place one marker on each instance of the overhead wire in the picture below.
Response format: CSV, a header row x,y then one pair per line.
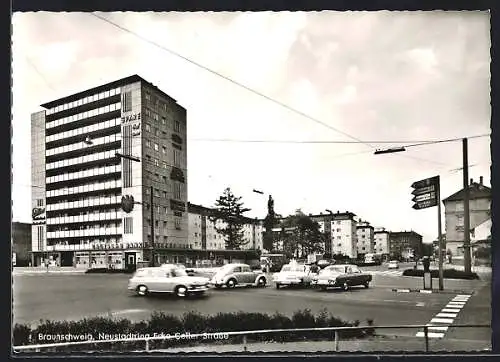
x,y
170,51
284,105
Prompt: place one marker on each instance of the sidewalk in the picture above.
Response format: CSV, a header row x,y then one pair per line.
x,y
43,270
372,345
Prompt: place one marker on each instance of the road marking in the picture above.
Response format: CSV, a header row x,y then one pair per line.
x,y
441,320
438,328
447,315
450,310
420,304
430,335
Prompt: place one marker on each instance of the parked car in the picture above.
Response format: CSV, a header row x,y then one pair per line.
x,y
294,274
236,274
393,264
167,279
341,276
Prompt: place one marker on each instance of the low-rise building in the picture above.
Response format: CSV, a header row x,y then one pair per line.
x,y
21,243
405,245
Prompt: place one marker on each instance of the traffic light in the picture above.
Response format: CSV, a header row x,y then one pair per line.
x,y
127,203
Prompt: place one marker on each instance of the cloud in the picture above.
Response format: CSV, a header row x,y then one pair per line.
x,y
374,75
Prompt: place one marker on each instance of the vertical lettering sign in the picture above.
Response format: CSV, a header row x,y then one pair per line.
x,y
135,120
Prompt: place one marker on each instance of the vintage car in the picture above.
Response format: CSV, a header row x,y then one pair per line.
x,y
236,274
393,264
293,274
341,276
166,279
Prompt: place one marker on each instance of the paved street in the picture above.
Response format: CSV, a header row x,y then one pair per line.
x,y
66,297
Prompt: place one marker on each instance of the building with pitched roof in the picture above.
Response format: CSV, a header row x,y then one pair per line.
x,y
479,208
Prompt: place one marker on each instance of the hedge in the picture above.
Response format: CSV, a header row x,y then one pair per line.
x,y
190,323
447,273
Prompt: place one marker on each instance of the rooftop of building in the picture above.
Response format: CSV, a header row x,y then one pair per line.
x,y
117,83
398,233
476,191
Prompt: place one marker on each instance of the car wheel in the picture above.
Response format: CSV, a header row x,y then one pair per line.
x,y
345,287
142,290
231,283
261,282
367,285
181,291
218,286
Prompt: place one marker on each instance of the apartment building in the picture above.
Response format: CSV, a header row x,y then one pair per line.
x,y
365,243
405,245
479,211
381,242
79,176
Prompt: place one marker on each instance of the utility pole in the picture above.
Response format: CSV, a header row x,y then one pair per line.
x,y
440,241
467,254
152,228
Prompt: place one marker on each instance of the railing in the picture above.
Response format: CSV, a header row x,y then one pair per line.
x,y
210,336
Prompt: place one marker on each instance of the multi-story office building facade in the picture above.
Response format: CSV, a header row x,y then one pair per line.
x,y
79,176
365,234
381,242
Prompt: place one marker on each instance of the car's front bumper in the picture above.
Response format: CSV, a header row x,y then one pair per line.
x,y
198,288
288,281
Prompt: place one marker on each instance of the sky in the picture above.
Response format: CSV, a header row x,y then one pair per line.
x,y
395,77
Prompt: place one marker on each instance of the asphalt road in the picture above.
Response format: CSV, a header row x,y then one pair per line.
x,y
71,297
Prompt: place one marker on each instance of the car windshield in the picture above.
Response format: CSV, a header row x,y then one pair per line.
x,y
293,268
334,269
178,272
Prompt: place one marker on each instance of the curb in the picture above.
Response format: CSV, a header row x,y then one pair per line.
x,y
431,291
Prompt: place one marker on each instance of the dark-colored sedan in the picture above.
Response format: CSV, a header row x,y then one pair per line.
x,y
341,276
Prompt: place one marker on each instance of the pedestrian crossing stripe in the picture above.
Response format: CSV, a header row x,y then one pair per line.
x,y
438,328
441,320
446,316
430,334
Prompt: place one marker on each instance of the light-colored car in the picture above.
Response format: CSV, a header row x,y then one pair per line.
x,y
393,264
236,274
293,274
341,276
166,279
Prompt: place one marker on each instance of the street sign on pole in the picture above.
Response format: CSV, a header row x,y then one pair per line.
x,y
425,193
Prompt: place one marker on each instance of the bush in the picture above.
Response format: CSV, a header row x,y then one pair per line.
x,y
447,273
190,323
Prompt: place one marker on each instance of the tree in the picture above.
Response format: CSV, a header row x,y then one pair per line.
x,y
303,235
229,209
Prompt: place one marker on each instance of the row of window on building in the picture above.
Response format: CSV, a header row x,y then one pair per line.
x,y
84,100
